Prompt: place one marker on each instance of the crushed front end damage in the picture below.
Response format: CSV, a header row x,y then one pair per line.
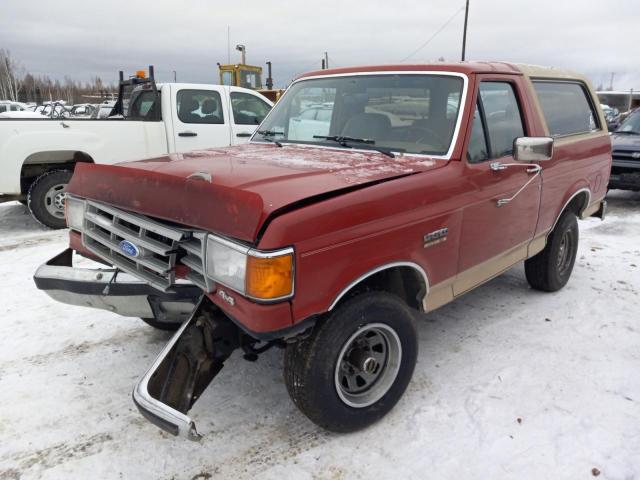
x,y
114,290
184,369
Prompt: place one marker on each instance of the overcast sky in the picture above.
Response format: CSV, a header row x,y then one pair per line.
x,y
84,38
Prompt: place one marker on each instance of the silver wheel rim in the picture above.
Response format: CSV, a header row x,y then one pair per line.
x,y
367,365
54,200
565,252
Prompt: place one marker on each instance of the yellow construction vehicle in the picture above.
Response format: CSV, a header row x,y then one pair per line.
x,y
248,76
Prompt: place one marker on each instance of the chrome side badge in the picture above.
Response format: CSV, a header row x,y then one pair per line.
x,y
435,237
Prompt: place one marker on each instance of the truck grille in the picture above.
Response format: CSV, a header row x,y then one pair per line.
x,y
625,155
159,247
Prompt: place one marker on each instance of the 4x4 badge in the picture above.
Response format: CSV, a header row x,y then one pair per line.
x,y
435,237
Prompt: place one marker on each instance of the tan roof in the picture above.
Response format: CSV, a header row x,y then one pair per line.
x,y
538,71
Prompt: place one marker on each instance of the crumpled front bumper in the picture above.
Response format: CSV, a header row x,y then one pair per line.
x,y
124,294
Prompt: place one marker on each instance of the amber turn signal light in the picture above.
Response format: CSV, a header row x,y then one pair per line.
x,y
269,278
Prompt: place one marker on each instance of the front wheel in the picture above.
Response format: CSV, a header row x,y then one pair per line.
x,y
46,198
550,269
356,365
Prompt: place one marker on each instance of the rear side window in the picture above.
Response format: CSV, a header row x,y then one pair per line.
x,y
199,106
566,108
143,107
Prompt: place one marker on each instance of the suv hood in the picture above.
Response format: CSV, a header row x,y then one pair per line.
x,y
625,141
233,191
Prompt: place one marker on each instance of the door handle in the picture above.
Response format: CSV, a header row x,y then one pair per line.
x,y
187,134
535,169
243,134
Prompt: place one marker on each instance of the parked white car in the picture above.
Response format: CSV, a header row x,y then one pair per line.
x,y
9,109
37,156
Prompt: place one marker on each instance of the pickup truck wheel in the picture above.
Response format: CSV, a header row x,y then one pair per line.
x,y
355,365
46,198
550,269
169,327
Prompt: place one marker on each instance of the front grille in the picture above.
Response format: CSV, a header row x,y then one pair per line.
x,y
159,246
624,155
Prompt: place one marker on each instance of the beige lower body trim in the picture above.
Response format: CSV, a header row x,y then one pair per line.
x,y
591,209
446,291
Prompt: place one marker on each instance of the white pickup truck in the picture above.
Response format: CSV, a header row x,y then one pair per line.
x,y
37,156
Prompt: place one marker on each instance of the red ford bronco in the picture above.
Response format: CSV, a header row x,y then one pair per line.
x,y
365,195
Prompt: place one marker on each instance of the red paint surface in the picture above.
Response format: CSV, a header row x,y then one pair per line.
x,y
249,183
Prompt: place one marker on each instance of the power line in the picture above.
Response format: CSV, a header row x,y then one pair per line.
x,y
434,35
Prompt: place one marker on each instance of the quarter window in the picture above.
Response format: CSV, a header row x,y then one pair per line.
x,y
566,108
199,106
248,109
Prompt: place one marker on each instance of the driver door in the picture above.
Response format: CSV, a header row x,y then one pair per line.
x,y
494,237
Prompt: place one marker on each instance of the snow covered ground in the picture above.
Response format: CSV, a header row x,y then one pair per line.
x,y
510,383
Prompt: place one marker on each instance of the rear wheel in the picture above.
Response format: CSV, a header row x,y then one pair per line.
x,y
550,269
356,365
46,198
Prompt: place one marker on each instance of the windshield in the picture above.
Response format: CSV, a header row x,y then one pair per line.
x,y
398,112
631,124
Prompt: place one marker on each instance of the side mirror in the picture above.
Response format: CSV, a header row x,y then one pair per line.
x,y
532,149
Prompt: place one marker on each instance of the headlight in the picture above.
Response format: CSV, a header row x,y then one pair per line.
x,y
74,212
258,275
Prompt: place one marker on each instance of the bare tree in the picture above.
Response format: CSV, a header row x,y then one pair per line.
x,y
18,85
9,76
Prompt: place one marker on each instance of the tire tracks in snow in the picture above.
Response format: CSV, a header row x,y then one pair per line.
x,y
53,456
276,445
75,350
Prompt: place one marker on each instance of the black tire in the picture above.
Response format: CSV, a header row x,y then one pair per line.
x,y
166,326
313,366
46,196
550,269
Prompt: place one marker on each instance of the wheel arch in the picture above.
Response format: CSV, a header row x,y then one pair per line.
x,y
406,279
576,203
38,163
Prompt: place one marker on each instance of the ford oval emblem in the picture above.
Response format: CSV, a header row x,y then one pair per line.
x,y
128,248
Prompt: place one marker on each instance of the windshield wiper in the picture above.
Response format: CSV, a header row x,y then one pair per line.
x,y
342,140
630,132
270,133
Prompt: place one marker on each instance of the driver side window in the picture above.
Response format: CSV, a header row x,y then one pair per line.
x,y
497,122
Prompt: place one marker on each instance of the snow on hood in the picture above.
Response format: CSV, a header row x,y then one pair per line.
x,y
248,182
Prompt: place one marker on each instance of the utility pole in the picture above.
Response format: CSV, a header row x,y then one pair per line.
x,y
464,32
326,60
175,77
613,74
228,44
